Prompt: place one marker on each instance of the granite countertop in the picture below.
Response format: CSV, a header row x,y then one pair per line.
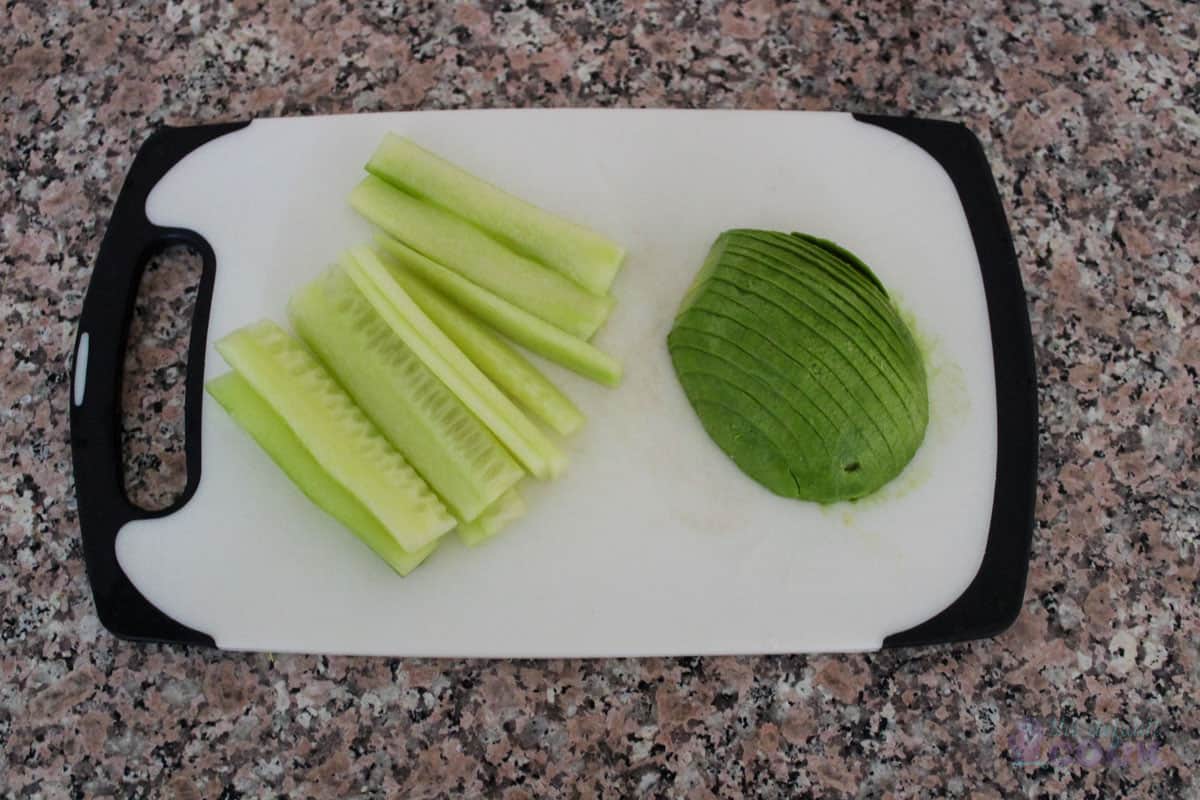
x,y
1090,115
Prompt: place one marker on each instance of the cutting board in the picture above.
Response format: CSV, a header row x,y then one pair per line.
x,y
653,543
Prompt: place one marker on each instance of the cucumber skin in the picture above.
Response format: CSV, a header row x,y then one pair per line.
x,y
358,456
517,324
523,439
256,417
582,255
466,249
386,397
508,508
511,371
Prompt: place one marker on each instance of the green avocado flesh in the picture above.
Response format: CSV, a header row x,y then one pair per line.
x,y
799,366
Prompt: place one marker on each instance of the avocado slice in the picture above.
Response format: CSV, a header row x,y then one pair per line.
x,y
799,366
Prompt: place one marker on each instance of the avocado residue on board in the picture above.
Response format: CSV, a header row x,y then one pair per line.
x,y
799,366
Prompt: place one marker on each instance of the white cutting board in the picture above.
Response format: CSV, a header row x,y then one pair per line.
x,y
653,542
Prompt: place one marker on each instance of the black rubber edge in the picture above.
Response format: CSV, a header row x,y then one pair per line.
x,y
993,600
129,243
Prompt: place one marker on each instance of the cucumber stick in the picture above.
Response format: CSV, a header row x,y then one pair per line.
x,y
255,416
464,248
511,371
515,431
336,432
452,450
515,323
508,508
582,255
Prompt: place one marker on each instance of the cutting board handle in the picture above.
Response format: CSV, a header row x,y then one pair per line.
x,y
129,243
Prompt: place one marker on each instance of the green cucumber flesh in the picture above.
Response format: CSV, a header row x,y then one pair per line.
x,y
582,255
509,507
517,324
511,371
256,417
515,431
336,431
447,445
464,248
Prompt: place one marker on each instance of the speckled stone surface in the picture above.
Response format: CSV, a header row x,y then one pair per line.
x,y
1091,117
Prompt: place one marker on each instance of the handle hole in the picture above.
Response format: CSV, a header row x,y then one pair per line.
x,y
154,379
